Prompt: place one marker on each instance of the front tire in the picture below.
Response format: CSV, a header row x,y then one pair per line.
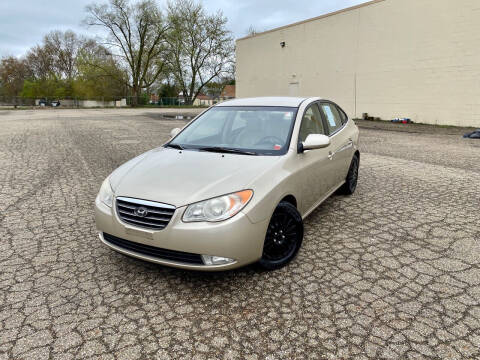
x,y
284,237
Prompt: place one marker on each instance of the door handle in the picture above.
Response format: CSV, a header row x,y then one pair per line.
x,y
330,155
347,145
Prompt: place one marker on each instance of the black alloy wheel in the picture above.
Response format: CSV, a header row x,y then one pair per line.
x,y
284,237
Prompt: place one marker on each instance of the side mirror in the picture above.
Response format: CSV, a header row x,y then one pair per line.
x,y
315,141
174,132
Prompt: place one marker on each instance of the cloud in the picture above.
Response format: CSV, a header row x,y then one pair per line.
x,y
24,23
268,14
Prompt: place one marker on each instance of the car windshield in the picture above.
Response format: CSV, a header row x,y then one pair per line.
x,y
242,130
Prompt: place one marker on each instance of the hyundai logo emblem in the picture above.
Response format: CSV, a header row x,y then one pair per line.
x,y
141,212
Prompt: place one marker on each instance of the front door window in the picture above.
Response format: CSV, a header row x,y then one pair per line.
x,y
311,123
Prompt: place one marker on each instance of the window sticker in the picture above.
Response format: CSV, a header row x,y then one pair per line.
x,y
329,115
288,116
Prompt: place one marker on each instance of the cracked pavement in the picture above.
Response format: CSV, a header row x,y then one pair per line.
x,y
392,272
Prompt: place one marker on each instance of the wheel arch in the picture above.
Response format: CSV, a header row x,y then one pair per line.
x,y
290,199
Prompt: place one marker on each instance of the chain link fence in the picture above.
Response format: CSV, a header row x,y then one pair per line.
x,y
103,102
68,102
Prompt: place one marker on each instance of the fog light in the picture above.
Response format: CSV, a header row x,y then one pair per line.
x,y
216,260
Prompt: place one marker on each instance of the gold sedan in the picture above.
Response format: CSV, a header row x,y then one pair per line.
x,y
233,186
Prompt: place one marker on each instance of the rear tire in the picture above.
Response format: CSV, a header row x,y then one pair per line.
x,y
284,237
352,177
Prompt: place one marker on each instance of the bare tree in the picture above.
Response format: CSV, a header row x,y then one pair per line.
x,y
64,48
136,34
13,71
56,56
200,47
40,62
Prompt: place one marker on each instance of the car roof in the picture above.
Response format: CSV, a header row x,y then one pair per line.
x,y
266,101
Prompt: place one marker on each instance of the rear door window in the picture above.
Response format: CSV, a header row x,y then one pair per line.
x,y
332,117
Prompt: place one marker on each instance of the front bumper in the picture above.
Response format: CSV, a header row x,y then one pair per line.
x,y
237,238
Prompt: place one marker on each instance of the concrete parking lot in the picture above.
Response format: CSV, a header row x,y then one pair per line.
x,y
392,272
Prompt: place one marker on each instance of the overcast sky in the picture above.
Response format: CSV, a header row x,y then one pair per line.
x,y
24,22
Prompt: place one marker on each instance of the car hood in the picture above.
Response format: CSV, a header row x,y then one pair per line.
x,y
183,177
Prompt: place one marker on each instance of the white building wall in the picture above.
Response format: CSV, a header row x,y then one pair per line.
x,y
390,58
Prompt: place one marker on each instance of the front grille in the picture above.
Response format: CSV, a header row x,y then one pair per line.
x,y
161,254
142,213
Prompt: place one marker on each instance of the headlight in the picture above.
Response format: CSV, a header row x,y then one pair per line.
x,y
105,195
219,208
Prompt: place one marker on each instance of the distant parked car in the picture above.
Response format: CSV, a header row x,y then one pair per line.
x,y
45,102
233,186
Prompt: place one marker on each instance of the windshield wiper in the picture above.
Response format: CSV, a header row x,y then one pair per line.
x,y
175,146
220,149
